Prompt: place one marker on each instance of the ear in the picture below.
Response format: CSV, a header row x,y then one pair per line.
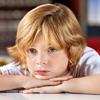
x,y
70,61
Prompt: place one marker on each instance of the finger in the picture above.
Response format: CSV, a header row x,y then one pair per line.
x,y
64,78
33,90
48,82
70,77
48,89
21,91
27,91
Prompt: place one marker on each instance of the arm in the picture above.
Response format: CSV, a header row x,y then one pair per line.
x,y
17,81
86,85
10,81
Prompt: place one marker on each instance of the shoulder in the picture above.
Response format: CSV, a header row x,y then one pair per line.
x,y
89,56
9,69
89,63
8,66
11,66
89,50
13,69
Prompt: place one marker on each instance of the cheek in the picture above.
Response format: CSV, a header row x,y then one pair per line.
x,y
30,63
61,68
60,63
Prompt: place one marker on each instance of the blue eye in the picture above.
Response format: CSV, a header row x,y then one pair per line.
x,y
52,50
32,51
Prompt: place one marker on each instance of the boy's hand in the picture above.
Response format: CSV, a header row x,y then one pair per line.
x,y
51,83
63,78
46,89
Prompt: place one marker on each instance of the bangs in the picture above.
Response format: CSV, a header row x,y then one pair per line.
x,y
28,34
52,33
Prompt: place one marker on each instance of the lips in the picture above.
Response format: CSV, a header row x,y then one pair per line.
x,y
42,72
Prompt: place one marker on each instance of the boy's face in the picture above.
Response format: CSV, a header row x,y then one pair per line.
x,y
46,63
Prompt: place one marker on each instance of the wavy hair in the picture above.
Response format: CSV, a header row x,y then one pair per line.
x,y
58,25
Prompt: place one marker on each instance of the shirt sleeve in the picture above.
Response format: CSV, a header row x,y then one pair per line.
x,y
88,65
12,69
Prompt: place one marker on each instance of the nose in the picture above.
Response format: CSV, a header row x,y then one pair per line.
x,y
42,59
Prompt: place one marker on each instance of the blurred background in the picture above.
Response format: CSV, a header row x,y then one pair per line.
x,y
12,11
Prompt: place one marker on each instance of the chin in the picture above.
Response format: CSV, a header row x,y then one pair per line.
x,y
42,77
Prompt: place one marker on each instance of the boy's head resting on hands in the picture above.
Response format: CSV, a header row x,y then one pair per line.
x,y
49,41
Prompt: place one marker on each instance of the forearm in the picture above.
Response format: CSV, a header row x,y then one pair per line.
x,y
17,81
86,85
10,82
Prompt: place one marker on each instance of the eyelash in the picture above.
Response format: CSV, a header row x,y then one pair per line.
x,y
52,48
48,50
31,49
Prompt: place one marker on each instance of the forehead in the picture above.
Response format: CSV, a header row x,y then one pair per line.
x,y
45,40
40,39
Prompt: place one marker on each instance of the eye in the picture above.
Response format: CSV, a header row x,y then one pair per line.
x,y
52,50
32,51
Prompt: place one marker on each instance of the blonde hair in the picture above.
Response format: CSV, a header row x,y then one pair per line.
x,y
58,25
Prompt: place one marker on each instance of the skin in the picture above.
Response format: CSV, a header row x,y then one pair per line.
x,y
56,63
85,85
39,59
53,61
17,81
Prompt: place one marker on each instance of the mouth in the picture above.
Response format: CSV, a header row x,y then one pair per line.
x,y
42,72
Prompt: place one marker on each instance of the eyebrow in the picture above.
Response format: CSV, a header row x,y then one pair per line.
x,y
47,45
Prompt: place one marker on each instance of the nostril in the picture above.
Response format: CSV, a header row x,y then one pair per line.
x,y
38,63
42,58
42,62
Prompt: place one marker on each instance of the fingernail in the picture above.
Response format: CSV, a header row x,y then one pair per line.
x,y
58,82
70,76
20,91
24,91
65,78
